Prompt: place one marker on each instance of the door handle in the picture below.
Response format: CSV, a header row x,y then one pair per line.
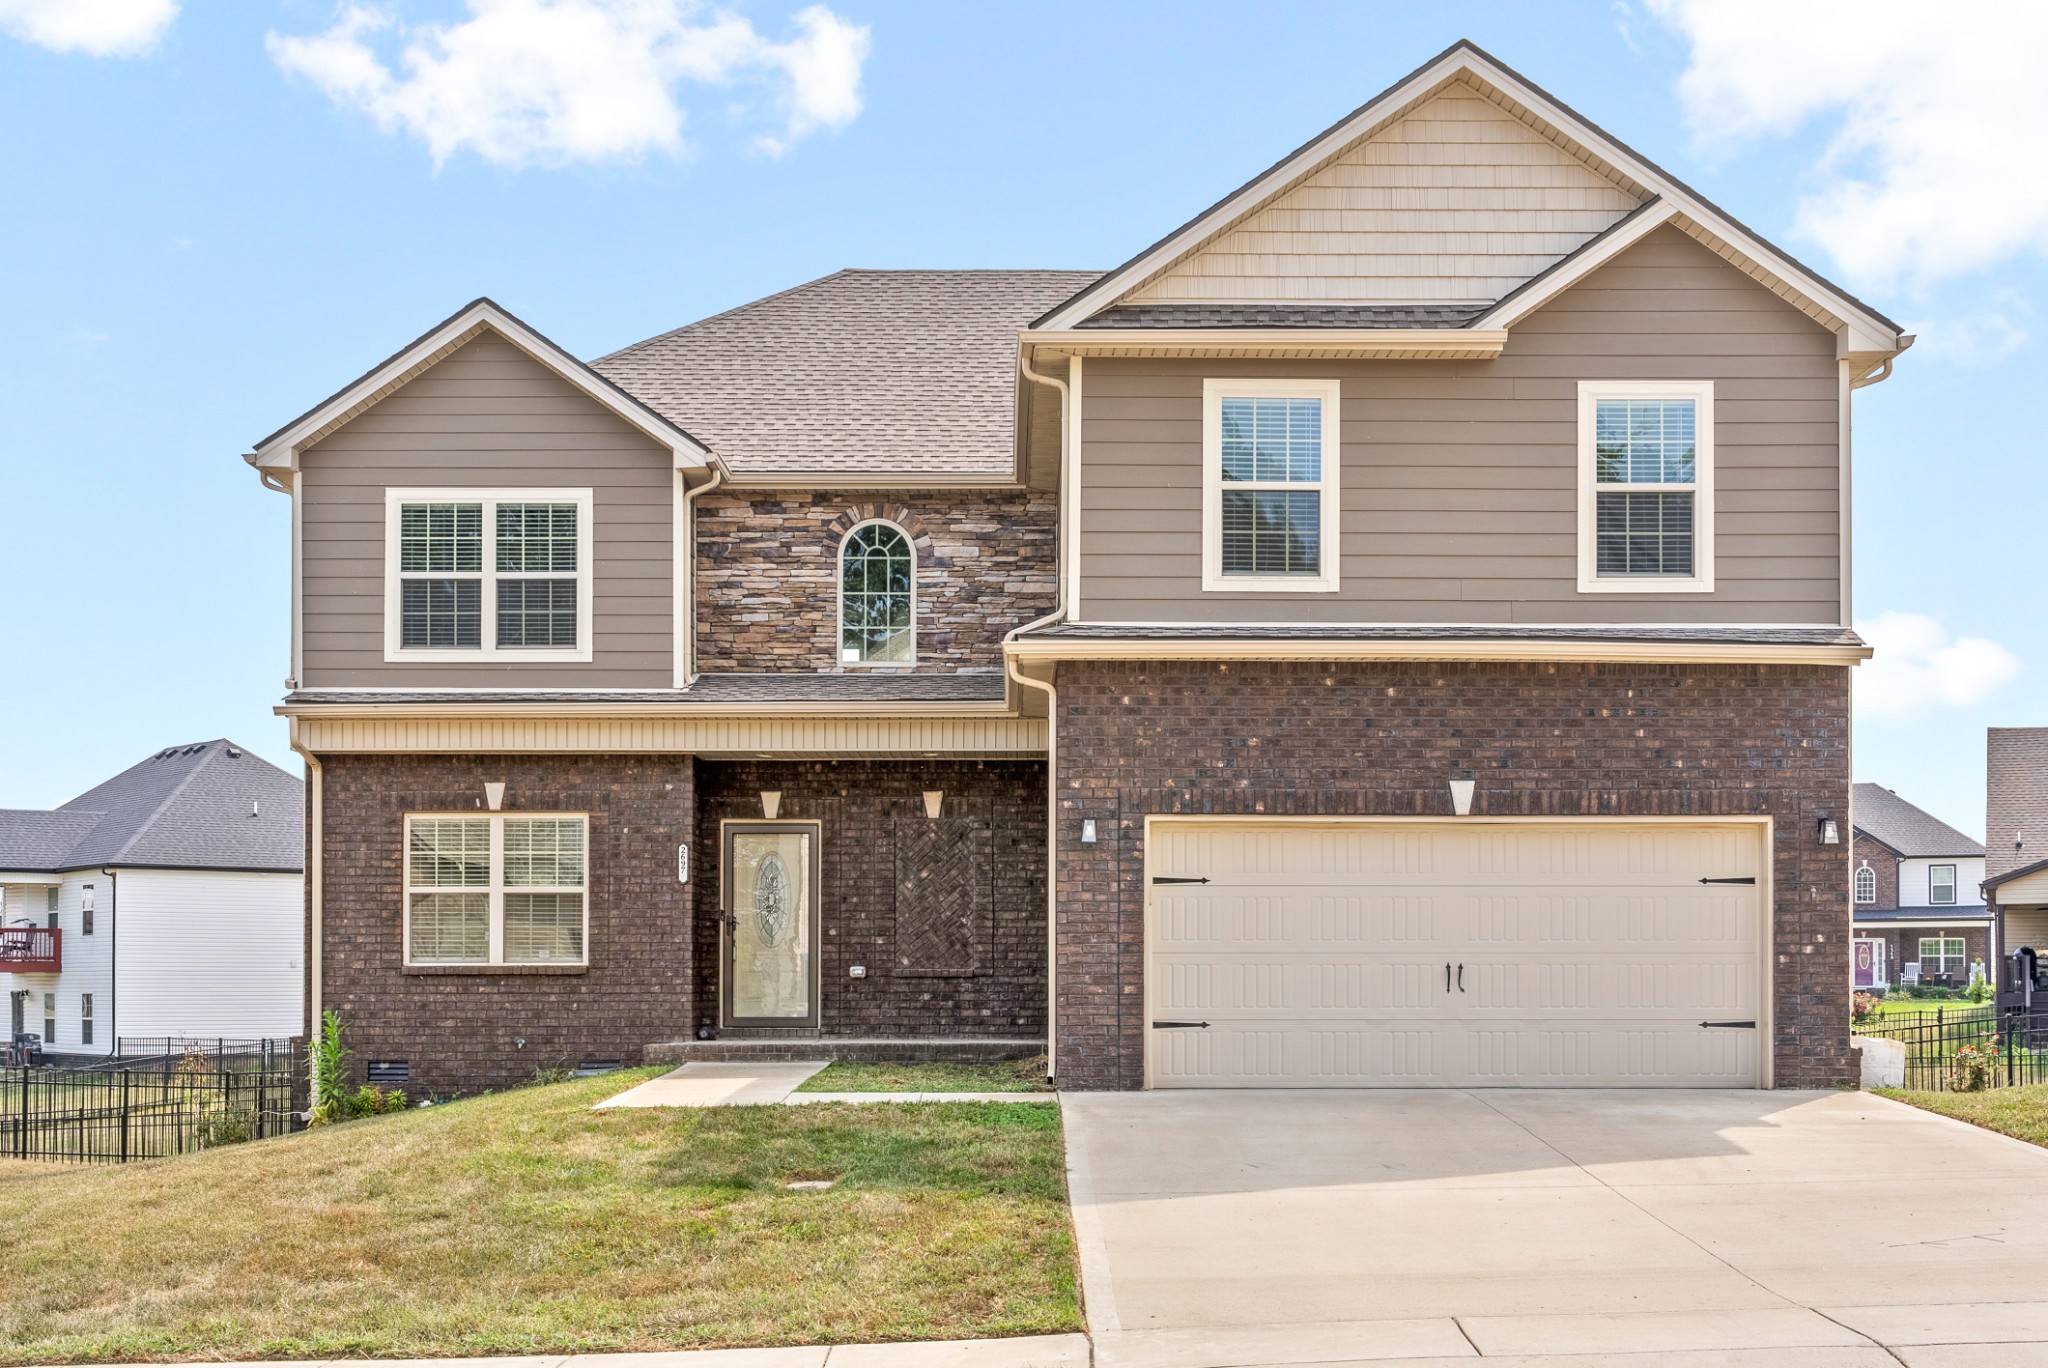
x,y
1180,1025
1461,978
1447,976
1731,1025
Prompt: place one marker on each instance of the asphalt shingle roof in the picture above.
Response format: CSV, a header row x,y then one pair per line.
x,y
2016,792
861,372
1905,828
209,805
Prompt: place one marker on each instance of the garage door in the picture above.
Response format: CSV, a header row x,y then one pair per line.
x,y
1475,953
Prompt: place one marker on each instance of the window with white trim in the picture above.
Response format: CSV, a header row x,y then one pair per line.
x,y
487,574
1940,954
1646,487
1270,468
877,596
85,1018
496,889
1941,884
49,1019
1866,884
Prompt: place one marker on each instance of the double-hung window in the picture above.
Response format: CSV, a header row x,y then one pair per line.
x,y
496,889
487,574
1646,486
1940,954
1270,464
1941,884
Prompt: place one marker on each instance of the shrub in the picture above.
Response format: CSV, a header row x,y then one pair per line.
x,y
1970,1070
1861,1006
226,1127
327,1063
1978,991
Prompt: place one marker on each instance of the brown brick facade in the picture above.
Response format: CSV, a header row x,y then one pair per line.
x,y
1902,946
653,942
860,804
1883,863
768,578
1542,740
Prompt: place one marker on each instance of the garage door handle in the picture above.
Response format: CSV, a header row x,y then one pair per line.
x,y
1447,976
1745,879
1731,1025
1173,879
1180,1025
1461,978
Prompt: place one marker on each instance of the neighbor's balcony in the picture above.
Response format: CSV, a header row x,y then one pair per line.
x,y
31,950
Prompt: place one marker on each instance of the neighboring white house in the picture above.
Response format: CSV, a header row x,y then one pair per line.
x,y
166,902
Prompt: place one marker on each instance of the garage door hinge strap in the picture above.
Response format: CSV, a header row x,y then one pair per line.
x,y
1745,879
1180,1025
1732,1025
1169,878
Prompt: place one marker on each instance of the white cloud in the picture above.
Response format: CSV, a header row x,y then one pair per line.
x,y
1917,666
98,28
547,82
1930,170
1976,337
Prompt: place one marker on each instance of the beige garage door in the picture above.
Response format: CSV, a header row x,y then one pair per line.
x,y
1474,953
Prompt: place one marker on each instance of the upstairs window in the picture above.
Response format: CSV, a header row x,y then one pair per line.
x,y
496,890
1866,884
1941,884
1269,486
1646,517
877,597
487,574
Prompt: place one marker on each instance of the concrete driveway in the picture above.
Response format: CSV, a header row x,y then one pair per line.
x,y
1808,1230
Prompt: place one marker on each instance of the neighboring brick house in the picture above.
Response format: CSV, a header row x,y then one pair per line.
x,y
2016,835
1392,631
1914,881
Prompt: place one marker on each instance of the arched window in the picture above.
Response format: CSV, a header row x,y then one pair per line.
x,y
1866,884
877,596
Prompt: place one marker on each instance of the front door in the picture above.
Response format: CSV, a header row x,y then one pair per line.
x,y
770,960
1869,963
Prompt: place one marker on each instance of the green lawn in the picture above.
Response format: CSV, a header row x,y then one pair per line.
x,y
525,1223
2020,1112
1017,1075
1901,1006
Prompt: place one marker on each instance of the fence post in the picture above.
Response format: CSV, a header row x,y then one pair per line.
x,y
21,1119
124,1116
2008,1059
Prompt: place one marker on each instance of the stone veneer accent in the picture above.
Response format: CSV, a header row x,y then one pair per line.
x,y
653,976
1356,738
859,803
768,573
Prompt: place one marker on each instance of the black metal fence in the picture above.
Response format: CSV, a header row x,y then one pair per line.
x,y
1966,1048
182,1097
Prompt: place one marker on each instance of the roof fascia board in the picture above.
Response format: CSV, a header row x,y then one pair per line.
x,y
1402,343
1633,652
1537,291
1999,880
1865,331
1856,830
1304,159
280,451
44,877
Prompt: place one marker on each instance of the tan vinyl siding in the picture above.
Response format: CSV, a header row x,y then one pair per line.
x,y
1456,201
1459,478
487,416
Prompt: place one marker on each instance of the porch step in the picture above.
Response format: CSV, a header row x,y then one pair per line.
x,y
880,1050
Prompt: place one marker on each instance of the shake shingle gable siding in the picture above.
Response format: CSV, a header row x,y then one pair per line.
x,y
869,372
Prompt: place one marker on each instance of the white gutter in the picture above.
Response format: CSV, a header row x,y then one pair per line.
x,y
686,569
1052,718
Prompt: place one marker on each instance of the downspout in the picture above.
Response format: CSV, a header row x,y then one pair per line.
x,y
687,569
113,961
315,840
1052,718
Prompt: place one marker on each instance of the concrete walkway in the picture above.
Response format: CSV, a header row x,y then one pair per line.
x,y
740,1085
1677,1229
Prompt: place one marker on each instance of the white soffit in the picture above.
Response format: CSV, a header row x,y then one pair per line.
x,y
280,450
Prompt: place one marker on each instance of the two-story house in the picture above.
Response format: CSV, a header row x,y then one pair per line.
x,y
2016,836
1393,630
164,903
1914,882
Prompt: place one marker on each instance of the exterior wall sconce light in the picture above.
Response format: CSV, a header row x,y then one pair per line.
x,y
934,799
1461,796
494,796
1830,831
1087,831
771,803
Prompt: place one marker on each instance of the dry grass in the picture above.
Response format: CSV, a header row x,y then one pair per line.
x,y
2018,1112
526,1223
1011,1075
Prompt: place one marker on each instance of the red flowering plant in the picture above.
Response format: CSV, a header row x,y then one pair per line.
x,y
1862,1007
1970,1070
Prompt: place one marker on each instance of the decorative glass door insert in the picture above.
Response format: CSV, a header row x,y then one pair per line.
x,y
770,921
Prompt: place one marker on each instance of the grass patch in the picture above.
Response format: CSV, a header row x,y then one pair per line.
x,y
1010,1075
1905,1006
2018,1112
525,1223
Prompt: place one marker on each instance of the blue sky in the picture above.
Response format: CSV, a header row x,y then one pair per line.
x,y
217,216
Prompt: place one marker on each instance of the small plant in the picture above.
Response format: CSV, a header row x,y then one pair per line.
x,y
370,1100
1862,1006
1978,991
552,1073
230,1126
1970,1070
193,1062
327,1064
